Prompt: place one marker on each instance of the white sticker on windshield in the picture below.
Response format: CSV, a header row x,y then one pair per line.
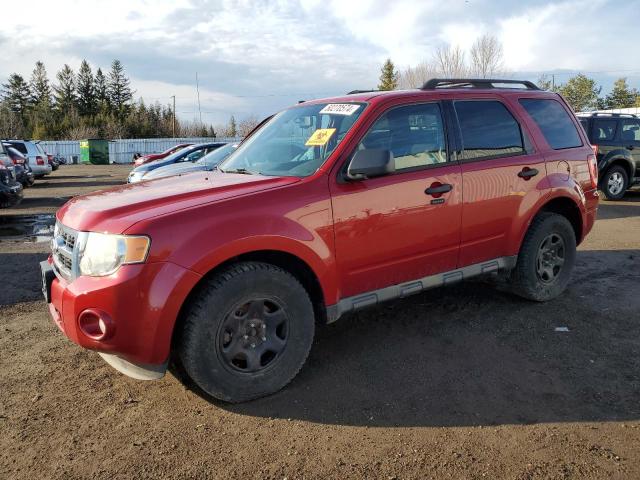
x,y
340,109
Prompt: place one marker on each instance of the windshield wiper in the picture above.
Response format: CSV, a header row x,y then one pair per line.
x,y
242,171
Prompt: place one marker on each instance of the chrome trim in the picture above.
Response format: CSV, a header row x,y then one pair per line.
x,y
401,290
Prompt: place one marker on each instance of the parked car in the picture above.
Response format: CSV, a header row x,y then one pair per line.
x,y
184,155
52,161
141,160
34,154
616,141
207,163
23,173
332,206
10,189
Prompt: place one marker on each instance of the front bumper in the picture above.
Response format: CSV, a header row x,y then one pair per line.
x,y
141,301
12,194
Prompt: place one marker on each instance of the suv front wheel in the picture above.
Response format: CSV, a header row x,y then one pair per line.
x,y
546,258
247,332
614,183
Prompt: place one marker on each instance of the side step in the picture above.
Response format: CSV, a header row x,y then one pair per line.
x,y
368,299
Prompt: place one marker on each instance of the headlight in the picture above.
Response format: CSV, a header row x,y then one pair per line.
x,y
103,253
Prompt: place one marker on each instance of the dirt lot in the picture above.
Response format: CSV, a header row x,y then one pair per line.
x,y
462,382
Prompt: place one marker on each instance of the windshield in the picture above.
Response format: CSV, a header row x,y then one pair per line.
x,y
295,142
219,154
180,153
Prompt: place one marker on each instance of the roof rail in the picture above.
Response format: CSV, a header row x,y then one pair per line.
x,y
474,83
355,92
607,114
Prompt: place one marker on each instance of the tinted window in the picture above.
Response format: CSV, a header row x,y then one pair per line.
x,y
488,130
21,147
554,122
413,133
631,131
603,129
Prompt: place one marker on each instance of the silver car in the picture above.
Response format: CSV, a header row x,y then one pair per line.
x,y
207,163
35,155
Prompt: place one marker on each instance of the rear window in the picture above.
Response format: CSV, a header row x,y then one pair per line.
x,y
488,130
554,122
21,147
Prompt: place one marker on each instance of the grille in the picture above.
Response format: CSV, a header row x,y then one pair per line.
x,y
64,252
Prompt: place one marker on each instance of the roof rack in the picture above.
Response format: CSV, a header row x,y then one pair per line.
x,y
474,83
606,114
355,92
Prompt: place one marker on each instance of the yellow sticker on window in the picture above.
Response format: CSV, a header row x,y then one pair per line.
x,y
320,137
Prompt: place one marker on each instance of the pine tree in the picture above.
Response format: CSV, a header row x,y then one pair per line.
x,y
40,88
101,92
118,89
85,89
621,96
581,92
17,94
65,90
232,130
388,76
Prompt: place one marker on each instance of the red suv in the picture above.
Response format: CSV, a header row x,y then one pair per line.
x,y
331,206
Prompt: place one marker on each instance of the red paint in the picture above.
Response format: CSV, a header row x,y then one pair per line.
x,y
355,236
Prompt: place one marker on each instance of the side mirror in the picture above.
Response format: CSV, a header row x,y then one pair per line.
x,y
370,163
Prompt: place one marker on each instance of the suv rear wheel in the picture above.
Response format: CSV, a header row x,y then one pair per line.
x,y
546,258
614,183
247,333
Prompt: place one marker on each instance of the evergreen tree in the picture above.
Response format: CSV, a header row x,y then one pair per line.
x,y
232,130
65,90
100,91
86,90
17,94
118,89
581,92
40,88
388,76
621,96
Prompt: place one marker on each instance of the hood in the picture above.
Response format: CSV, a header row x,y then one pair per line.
x,y
175,169
116,209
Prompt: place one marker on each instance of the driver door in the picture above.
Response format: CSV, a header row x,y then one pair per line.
x,y
390,229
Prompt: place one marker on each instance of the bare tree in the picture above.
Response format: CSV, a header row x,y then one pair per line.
x,y
450,61
246,125
486,57
414,77
81,132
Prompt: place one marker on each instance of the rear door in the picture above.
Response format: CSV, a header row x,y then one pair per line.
x,y
502,176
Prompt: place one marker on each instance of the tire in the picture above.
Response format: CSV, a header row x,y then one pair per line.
x,y
222,347
536,276
614,183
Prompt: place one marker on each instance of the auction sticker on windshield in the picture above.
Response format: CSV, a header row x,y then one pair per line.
x,y
340,109
320,137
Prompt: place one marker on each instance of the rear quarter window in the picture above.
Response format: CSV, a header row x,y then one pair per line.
x,y
604,129
21,147
553,120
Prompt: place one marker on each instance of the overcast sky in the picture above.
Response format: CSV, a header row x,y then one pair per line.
x,y
260,56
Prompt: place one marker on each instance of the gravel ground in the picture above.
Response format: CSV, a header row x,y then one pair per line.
x,y
462,382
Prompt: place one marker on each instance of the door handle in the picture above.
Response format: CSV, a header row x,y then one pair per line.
x,y
527,173
438,189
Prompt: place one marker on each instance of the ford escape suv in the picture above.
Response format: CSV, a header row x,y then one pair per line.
x,y
331,206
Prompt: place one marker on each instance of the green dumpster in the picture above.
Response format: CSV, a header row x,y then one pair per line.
x,y
95,151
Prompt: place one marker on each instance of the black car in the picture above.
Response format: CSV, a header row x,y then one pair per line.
x,y
616,141
10,189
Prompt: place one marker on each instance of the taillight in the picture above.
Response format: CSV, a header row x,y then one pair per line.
x,y
595,149
593,170
39,160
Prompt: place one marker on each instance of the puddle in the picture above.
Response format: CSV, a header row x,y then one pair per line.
x,y
27,228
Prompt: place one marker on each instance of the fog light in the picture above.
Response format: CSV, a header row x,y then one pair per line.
x,y
96,324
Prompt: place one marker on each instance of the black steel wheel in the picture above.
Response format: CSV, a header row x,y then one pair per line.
x,y
247,332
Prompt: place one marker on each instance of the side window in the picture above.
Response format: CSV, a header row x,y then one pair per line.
x,y
631,131
414,134
604,129
488,130
555,123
